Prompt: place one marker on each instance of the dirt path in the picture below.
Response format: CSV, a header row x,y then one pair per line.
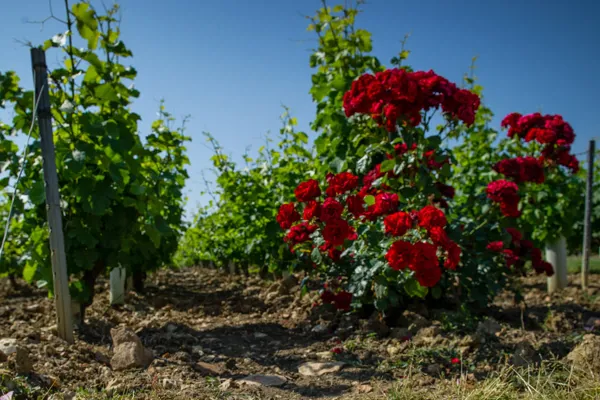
x,y
208,331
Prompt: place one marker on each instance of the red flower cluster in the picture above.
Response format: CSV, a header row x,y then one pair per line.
x,y
421,257
326,216
519,251
521,169
398,94
507,194
287,216
549,130
341,300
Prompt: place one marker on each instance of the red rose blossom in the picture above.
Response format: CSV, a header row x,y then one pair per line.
x,y
399,255
331,210
397,224
287,215
308,190
341,183
430,216
337,231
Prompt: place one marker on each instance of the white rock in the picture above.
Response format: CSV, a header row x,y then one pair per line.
x,y
320,368
8,346
263,380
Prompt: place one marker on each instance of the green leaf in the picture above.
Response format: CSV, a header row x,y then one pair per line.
x,y
86,23
369,200
106,92
29,272
413,289
388,165
37,193
315,256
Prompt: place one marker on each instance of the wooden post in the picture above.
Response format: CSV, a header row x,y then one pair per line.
x,y
556,254
587,223
62,298
118,277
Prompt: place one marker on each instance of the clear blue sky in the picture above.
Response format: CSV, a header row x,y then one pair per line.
x,y
231,64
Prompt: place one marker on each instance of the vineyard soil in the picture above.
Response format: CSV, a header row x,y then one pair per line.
x,y
208,331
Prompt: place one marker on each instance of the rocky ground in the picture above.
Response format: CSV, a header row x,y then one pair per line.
x,y
199,334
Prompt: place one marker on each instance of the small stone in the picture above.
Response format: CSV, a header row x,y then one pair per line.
x,y
434,369
400,333
260,335
33,308
524,354
102,358
8,346
168,383
227,384
396,348
325,355
69,395
364,388
320,329
263,380
171,328
207,369
320,368
489,327
377,325
128,350
23,363
114,387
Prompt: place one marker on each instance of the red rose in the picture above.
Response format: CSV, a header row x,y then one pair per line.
x,y
496,246
430,216
287,215
342,183
337,231
355,205
327,297
510,256
399,255
300,233
438,236
397,224
424,255
385,203
308,190
331,210
453,258
343,300
312,210
507,194
428,275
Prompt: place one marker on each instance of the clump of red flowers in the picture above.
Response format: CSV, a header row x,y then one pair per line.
x,y
555,134
505,193
396,94
519,251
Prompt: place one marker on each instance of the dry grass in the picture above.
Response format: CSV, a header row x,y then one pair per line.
x,y
551,381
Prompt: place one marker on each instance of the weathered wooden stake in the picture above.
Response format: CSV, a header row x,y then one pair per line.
x,y
62,297
587,223
556,254
118,277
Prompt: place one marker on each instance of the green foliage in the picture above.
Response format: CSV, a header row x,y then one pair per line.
x,y
238,225
121,198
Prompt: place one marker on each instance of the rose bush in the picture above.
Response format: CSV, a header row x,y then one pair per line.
x,y
384,229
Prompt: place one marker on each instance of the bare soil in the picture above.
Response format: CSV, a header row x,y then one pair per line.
x,y
209,330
